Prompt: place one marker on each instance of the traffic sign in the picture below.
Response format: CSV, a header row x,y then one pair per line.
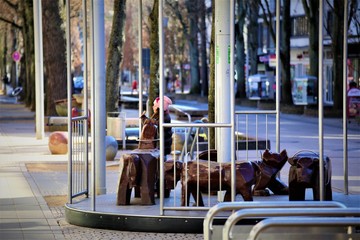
x,y
16,56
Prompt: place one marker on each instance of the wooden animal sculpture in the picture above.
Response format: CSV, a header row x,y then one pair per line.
x,y
172,172
148,133
304,173
268,168
130,173
138,170
195,171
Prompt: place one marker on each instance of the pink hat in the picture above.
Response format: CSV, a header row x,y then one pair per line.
x,y
167,102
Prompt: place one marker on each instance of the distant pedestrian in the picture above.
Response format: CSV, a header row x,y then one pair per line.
x,y
6,79
133,86
167,119
352,85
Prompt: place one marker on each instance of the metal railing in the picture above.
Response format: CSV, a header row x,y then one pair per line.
x,y
234,206
281,212
255,128
78,169
340,228
252,133
78,143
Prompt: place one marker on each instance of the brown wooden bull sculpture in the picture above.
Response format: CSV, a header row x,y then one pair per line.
x,y
266,175
304,173
262,174
220,175
130,174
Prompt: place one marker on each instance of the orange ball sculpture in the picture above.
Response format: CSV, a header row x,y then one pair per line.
x,y
58,143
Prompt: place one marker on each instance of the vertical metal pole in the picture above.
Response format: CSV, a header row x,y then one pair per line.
x,y
99,98
85,105
68,62
222,69
321,101
140,64
39,71
345,103
92,124
161,93
278,75
232,99
69,93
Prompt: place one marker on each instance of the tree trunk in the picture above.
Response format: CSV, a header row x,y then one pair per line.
x,y
28,35
115,56
240,49
192,7
54,45
211,96
286,96
253,34
154,54
4,54
12,62
204,64
312,13
337,49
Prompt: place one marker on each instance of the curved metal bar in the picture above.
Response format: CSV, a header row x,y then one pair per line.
x,y
226,206
228,125
303,222
278,212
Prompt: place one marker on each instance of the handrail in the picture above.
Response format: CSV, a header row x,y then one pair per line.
x,y
225,206
197,125
179,110
277,212
301,222
256,112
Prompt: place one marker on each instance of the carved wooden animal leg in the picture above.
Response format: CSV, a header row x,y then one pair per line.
x,y
194,193
328,192
148,178
278,187
137,191
296,192
127,179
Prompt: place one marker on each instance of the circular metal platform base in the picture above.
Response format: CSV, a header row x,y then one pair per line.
x,y
138,223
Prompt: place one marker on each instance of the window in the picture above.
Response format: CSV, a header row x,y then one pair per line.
x,y
299,26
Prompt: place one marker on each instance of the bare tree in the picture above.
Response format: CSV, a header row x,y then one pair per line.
x,y
19,14
311,9
253,15
54,46
268,17
203,54
115,56
193,11
336,32
337,49
211,96
240,48
154,53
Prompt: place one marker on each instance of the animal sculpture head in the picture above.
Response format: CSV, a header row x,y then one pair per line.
x,y
276,160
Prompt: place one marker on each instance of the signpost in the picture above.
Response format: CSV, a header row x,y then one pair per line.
x,y
16,56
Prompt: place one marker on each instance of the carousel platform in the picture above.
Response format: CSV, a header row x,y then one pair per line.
x,y
148,218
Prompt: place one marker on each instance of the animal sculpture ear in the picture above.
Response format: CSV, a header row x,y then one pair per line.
x,y
283,154
292,161
265,154
178,165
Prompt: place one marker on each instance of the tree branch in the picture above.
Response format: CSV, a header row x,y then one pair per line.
x,y
12,23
